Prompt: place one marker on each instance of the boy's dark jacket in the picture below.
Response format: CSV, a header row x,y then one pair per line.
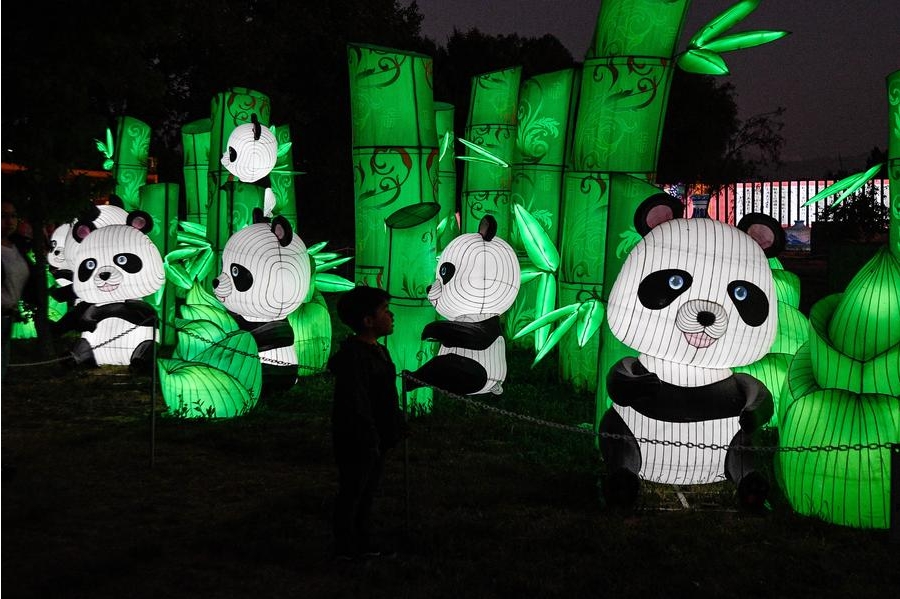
x,y
366,413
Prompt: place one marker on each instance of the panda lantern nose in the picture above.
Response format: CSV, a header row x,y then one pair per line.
x,y
215,282
103,276
706,318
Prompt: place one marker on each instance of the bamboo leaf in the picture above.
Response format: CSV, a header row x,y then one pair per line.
x,y
178,276
548,318
333,283
528,274
182,253
555,336
108,164
702,62
109,143
283,149
723,23
740,41
845,184
861,180
193,228
332,264
590,317
483,155
537,243
445,145
315,249
544,304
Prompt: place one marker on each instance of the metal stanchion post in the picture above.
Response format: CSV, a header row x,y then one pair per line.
x,y
405,455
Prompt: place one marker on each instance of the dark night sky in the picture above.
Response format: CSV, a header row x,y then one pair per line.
x,y
829,73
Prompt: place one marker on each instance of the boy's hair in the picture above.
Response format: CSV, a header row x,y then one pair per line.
x,y
359,302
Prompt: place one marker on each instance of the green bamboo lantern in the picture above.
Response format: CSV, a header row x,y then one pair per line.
x,y
131,154
492,127
195,137
231,202
893,84
282,179
411,264
395,153
160,200
545,103
448,226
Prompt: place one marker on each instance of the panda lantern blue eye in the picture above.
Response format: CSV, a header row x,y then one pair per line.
x,y
86,269
128,262
740,293
242,277
676,282
446,272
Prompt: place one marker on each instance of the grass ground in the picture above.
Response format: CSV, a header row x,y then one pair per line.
x,y
485,505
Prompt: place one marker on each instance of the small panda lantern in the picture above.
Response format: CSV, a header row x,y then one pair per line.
x,y
266,276
477,280
251,156
115,267
695,298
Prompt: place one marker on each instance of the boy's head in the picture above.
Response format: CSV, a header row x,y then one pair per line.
x,y
355,305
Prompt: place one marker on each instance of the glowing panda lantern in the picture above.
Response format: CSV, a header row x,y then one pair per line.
x,y
477,280
115,267
99,216
266,276
251,156
695,298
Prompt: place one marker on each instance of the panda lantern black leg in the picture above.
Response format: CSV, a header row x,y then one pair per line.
x,y
752,486
142,358
83,354
622,455
449,372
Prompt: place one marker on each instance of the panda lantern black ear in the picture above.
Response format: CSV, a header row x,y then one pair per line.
x,y
81,229
765,230
259,216
140,220
257,128
282,229
487,228
655,210
115,200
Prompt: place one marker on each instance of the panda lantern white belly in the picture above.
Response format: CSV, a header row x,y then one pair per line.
x,y
115,339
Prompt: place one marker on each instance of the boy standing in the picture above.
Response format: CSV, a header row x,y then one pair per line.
x,y
366,417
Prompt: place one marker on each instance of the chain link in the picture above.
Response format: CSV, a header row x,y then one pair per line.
x,y
873,446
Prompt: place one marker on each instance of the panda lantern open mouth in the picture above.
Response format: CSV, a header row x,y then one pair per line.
x,y
108,287
699,339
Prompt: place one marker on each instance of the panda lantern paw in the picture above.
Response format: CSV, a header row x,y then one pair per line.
x,y
752,492
622,488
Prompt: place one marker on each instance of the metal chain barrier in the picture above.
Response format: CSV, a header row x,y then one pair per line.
x,y
664,442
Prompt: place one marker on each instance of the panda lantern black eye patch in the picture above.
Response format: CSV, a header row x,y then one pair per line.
x,y
446,272
242,277
661,288
750,301
86,269
130,263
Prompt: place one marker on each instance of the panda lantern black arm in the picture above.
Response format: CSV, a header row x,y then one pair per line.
x,y
759,407
628,382
470,335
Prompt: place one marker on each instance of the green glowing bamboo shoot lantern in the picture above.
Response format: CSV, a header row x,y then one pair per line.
x,y
195,137
412,247
132,148
160,200
448,226
537,175
492,127
282,179
395,153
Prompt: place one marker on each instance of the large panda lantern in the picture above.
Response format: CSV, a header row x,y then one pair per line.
x,y
266,276
114,268
477,280
695,298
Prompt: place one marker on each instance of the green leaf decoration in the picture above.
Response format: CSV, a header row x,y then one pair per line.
x,y
191,230
847,185
528,274
108,164
555,336
195,337
332,264
628,239
178,276
323,257
544,303
538,246
740,41
283,149
723,23
333,283
315,249
199,295
548,318
445,145
482,155
590,317
702,62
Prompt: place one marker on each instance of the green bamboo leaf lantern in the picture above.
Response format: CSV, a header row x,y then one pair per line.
x,y
561,329
741,41
448,227
723,22
538,245
703,62
311,323
590,318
